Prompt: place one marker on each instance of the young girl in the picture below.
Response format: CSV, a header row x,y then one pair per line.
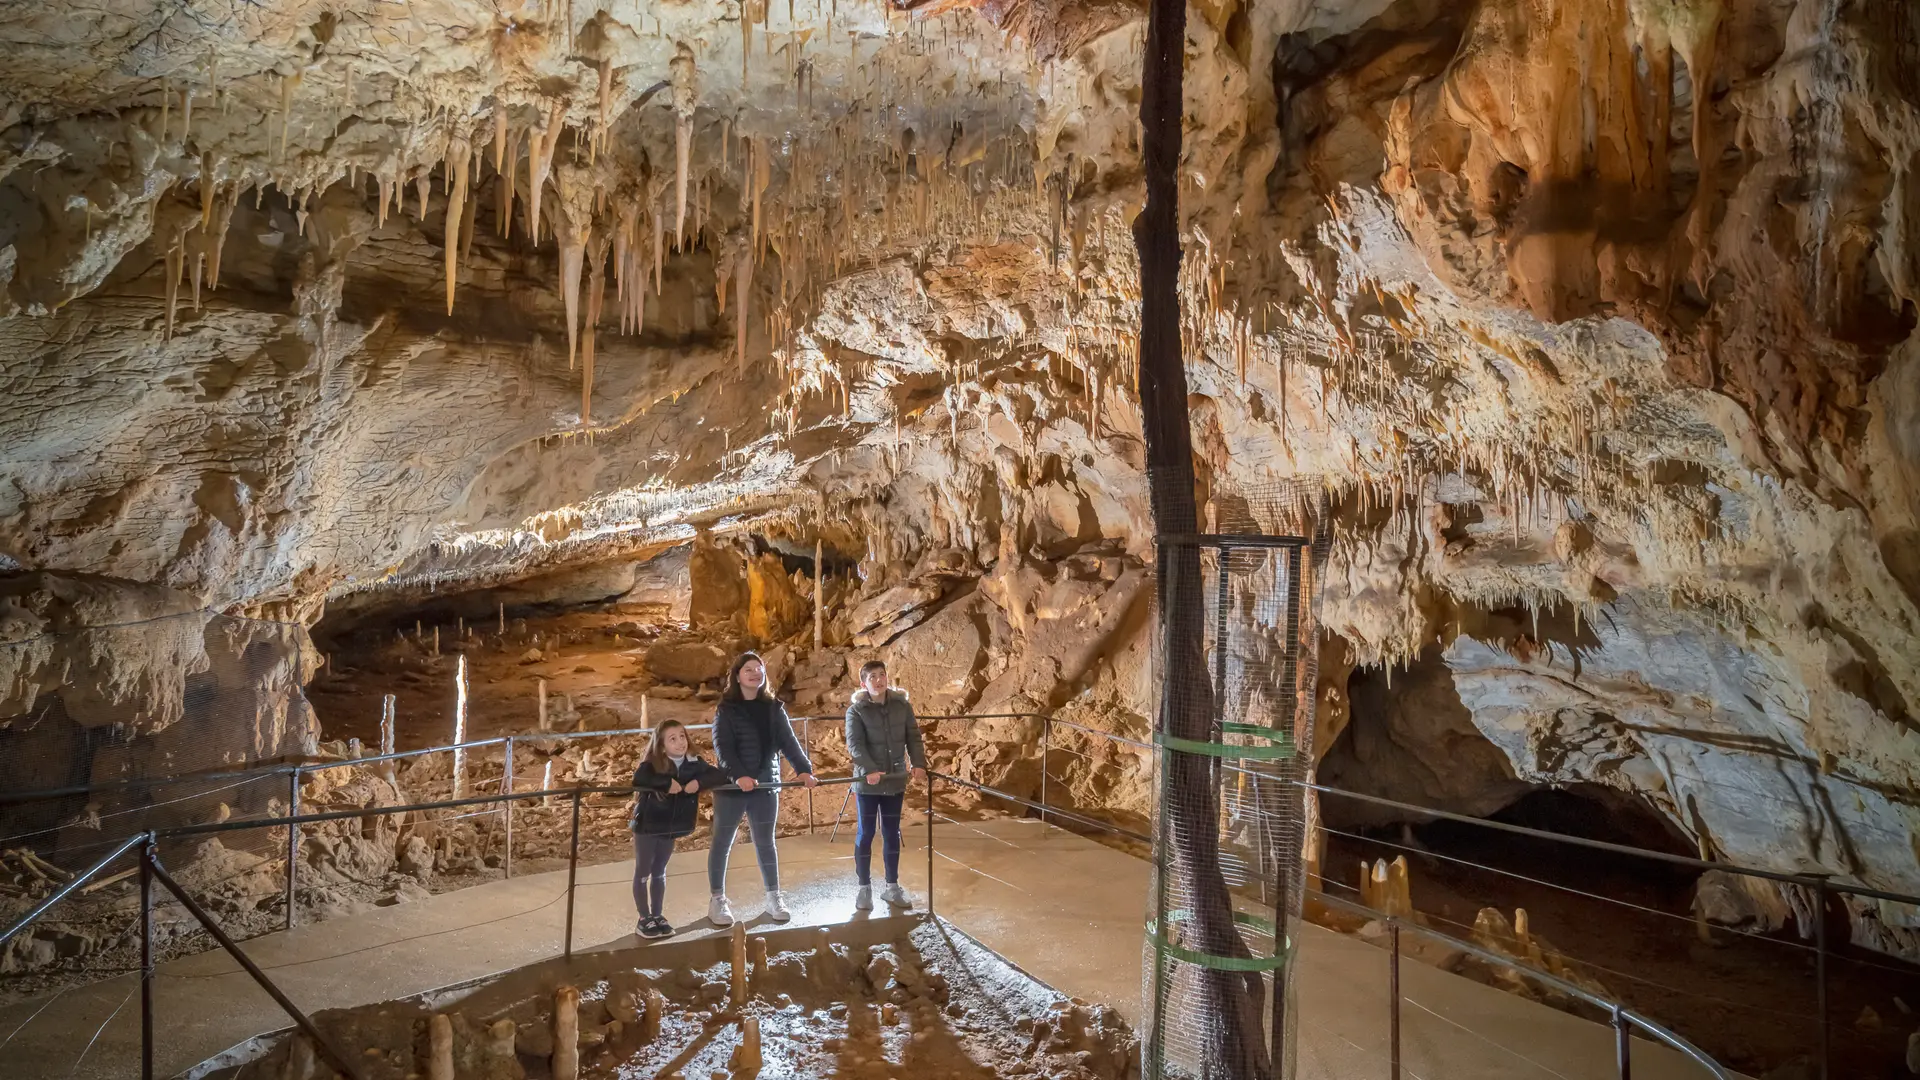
x,y
667,789
751,733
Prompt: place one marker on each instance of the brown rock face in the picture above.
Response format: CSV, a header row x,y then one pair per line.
x,y
688,663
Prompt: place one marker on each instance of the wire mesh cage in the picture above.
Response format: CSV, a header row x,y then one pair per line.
x,y
1237,656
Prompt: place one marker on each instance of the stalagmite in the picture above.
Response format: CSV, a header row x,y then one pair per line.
x,y
542,691
458,154
737,995
819,594
440,1048
566,1033
650,1019
459,721
685,92
746,1060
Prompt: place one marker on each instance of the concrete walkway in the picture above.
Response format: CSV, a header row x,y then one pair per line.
x,y
1063,908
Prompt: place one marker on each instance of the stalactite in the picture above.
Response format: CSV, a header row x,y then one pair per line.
x,y
505,224
573,241
499,136
540,148
596,293
685,93
606,107
742,289
459,155
174,266
422,183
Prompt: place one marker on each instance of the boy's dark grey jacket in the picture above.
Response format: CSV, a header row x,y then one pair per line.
x,y
883,737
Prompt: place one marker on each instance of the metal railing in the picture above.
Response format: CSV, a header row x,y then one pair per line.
x,y
152,870
1043,808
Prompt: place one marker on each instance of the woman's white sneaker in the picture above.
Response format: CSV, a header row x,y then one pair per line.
x,y
896,896
777,907
719,912
863,899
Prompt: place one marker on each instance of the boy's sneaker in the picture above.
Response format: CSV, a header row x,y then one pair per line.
x,y
777,907
658,927
863,899
640,928
896,896
719,912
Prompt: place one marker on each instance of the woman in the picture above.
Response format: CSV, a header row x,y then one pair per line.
x,y
750,732
666,804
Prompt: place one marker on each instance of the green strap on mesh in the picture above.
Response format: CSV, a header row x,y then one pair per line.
x,y
1209,960
1282,744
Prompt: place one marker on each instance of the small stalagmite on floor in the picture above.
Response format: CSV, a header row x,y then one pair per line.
x,y
566,1033
440,1047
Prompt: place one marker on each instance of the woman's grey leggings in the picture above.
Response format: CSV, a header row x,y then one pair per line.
x,y
762,810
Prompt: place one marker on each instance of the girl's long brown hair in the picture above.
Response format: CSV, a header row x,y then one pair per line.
x,y
657,746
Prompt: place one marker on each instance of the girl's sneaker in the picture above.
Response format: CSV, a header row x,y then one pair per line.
x,y
777,907
863,899
658,927
719,912
640,928
896,896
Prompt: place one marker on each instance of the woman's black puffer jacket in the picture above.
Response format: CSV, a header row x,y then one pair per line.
x,y
750,734
656,813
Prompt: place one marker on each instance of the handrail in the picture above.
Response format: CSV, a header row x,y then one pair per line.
x,y
1805,880
1809,881
1622,1016
1619,1011
65,890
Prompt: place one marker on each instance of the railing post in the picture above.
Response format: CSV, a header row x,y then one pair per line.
x,y
293,841
506,788
1393,987
929,841
146,958
806,723
1046,748
1623,1043
1820,971
573,867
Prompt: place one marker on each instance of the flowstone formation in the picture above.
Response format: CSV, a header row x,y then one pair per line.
x,y
1595,318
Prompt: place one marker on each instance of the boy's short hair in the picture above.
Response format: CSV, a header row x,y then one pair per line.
x,y
870,667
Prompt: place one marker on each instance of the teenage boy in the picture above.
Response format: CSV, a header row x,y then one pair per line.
x,y
884,739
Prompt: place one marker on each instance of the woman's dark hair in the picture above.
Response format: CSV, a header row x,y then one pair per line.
x,y
732,691
657,746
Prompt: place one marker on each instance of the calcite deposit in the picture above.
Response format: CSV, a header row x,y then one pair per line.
x,y
1594,319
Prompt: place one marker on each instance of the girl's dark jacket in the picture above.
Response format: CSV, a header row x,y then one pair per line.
x,y
750,734
656,813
